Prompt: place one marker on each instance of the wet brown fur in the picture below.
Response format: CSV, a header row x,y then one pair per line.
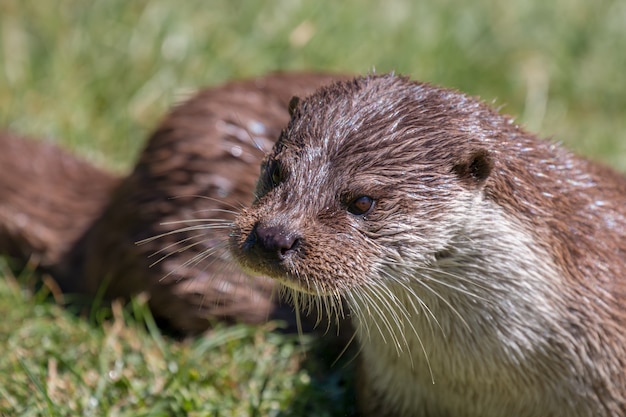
x,y
549,340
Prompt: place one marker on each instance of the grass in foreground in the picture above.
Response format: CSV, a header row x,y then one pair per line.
x,y
58,364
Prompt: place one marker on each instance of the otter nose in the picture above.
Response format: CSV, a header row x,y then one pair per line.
x,y
275,241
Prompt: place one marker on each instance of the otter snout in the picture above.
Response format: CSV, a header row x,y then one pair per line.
x,y
274,243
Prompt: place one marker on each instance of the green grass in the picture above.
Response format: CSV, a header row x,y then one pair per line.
x,y
96,76
54,363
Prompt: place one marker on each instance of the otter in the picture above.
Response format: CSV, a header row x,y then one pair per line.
x,y
484,269
199,166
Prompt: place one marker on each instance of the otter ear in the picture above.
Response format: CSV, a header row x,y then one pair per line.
x,y
293,103
475,168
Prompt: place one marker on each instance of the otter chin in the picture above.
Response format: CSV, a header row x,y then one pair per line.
x,y
484,268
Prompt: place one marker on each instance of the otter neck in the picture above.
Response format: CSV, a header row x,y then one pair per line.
x,y
476,319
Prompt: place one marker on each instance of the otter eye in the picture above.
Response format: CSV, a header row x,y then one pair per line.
x,y
361,205
276,173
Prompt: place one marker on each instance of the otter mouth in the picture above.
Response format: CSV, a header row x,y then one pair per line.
x,y
270,251
296,285
281,273
273,251
307,260
281,255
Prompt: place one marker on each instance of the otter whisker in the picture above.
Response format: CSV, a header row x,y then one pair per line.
x,y
203,255
334,309
174,252
399,306
225,222
194,261
338,308
365,302
296,304
378,303
167,248
431,277
217,210
181,230
345,349
458,289
411,296
446,302
206,197
408,278
383,317
461,278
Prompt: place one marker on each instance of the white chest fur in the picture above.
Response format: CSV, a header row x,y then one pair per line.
x,y
474,334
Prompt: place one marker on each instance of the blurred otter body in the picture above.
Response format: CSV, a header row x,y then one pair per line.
x,y
485,269
198,167
48,198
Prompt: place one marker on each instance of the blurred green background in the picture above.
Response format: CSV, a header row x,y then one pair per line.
x,y
96,76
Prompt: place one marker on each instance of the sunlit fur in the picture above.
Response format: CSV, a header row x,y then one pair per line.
x,y
487,278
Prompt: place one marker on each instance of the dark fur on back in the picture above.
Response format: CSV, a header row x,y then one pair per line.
x,y
48,197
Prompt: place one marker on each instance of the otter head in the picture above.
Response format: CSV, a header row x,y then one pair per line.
x,y
370,176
